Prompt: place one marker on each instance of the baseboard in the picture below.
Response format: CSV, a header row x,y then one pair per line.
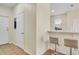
x,y
44,52
28,52
23,49
41,53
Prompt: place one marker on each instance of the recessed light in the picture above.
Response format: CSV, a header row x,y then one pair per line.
x,y
72,5
53,10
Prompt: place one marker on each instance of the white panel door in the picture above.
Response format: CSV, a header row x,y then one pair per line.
x,y
3,30
20,30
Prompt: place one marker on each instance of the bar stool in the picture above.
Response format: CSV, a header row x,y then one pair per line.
x,y
55,42
71,44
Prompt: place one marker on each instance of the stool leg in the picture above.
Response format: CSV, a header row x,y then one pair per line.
x,y
70,51
55,47
55,50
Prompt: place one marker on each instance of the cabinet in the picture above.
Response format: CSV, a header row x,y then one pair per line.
x,y
70,21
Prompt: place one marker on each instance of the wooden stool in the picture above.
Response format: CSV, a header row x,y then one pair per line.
x,y
54,41
71,43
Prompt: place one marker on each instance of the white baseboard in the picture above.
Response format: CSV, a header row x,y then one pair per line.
x,y
42,52
23,49
28,52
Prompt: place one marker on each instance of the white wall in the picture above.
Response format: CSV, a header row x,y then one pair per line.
x,y
42,26
29,26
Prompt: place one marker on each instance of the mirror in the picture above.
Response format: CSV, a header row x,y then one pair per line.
x,y
58,23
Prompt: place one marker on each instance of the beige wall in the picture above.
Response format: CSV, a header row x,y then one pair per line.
x,y
42,26
73,20
29,26
5,11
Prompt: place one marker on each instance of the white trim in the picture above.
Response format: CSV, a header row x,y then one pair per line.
x,y
23,49
28,52
42,52
4,16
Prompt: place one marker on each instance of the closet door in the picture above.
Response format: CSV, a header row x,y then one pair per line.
x,y
3,30
20,30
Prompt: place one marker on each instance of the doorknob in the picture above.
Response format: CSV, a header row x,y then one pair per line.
x,y
7,29
22,33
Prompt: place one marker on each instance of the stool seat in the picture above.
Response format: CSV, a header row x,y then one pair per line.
x,y
71,43
54,40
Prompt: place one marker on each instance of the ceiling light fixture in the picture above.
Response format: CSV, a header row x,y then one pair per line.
x,y
72,5
53,10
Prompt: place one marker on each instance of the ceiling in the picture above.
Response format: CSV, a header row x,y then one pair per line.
x,y
8,4
60,8
56,8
